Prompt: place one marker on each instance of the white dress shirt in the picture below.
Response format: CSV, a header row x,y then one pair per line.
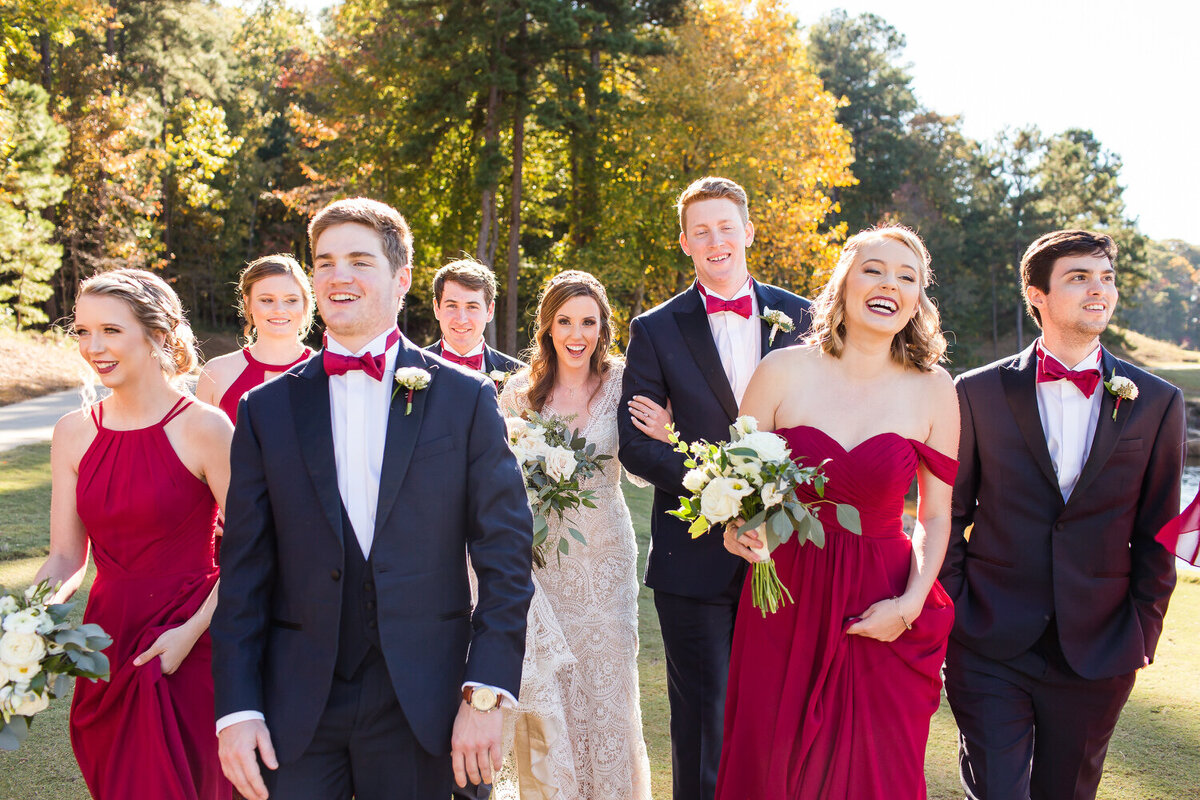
x,y
474,351
358,407
738,339
1069,421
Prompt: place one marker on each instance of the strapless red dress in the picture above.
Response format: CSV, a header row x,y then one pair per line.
x,y
150,522
252,375
812,712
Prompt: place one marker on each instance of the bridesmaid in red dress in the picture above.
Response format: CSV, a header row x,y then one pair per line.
x,y
276,302
138,479
831,697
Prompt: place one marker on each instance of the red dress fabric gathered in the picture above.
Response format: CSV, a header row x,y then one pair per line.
x,y
811,711
150,522
1182,535
254,374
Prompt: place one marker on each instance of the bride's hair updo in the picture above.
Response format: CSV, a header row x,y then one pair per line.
x,y
543,361
921,343
157,309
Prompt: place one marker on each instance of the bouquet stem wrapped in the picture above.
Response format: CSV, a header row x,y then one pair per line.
x,y
753,477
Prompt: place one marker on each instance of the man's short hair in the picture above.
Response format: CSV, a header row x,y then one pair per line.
x,y
712,188
386,221
468,273
1038,262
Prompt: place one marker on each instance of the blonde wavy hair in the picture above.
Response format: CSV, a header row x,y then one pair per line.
x,y
920,344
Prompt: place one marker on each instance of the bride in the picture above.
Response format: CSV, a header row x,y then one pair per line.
x,y
578,730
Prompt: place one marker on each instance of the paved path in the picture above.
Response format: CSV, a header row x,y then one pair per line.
x,y
33,420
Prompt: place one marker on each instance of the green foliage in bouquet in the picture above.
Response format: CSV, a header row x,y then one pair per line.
x,y
39,650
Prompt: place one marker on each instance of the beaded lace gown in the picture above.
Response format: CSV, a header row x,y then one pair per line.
x,y
578,731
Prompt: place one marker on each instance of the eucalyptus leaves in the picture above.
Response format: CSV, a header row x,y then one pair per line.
x,y
753,477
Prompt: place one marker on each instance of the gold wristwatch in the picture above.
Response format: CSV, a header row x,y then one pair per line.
x,y
481,698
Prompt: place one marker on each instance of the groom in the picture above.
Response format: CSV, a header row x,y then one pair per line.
x,y
344,617
697,352
1059,587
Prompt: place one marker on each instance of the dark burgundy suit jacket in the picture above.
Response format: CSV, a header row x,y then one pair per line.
x,y
1091,562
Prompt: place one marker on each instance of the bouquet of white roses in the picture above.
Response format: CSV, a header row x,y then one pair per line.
x,y
753,476
39,649
554,460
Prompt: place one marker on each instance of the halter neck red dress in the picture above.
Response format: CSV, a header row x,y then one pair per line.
x,y
254,374
150,523
811,711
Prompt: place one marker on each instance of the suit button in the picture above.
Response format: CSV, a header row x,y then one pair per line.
x,y
368,587
1058,526
370,623
370,604
336,574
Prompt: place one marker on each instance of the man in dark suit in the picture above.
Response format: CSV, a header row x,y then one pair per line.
x,y
344,617
697,351
1060,587
464,302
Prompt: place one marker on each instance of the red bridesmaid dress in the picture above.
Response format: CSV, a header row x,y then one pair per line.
x,y
254,374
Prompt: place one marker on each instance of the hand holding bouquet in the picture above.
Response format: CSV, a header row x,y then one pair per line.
x,y
554,460
753,477
39,649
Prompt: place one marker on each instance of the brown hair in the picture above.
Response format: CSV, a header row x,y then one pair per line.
x,y
1039,258
543,361
712,188
266,267
468,273
157,309
380,217
920,344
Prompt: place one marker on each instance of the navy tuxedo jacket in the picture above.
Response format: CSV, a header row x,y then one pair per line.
x,y
449,486
493,359
672,356
1090,562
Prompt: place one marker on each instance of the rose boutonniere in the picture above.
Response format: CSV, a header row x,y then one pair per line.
x,y
1121,388
413,379
499,376
778,321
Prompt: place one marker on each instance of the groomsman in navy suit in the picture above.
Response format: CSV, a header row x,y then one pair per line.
x,y
464,302
697,351
348,659
1070,461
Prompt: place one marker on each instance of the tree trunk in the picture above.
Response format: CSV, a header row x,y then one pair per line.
x,y
47,62
514,222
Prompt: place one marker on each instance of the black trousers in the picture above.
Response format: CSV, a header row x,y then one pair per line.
x,y
697,636
363,748
1030,728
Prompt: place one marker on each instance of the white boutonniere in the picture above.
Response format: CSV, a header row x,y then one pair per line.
x,y
1121,388
778,321
499,376
412,378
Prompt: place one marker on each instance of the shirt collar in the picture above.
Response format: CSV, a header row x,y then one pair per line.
x,y
1090,361
474,351
374,347
747,289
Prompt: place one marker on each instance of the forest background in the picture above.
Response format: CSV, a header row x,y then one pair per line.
x,y
188,137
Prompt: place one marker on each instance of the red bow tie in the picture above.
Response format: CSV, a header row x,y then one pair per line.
x,y
1051,369
474,362
742,306
338,364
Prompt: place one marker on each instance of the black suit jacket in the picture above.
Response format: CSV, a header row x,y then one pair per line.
x,y
1090,562
449,485
493,359
672,356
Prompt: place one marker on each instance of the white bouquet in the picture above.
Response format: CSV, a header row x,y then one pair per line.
x,y
554,460
39,650
753,477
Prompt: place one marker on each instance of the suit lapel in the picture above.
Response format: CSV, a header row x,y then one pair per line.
x,y
401,438
1108,430
314,432
693,324
1020,389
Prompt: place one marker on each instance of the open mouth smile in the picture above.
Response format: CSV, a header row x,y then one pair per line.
x,y
884,306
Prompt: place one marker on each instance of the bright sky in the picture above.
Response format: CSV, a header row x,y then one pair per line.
x,y
1130,72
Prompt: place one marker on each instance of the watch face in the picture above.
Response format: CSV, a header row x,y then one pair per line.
x,y
483,699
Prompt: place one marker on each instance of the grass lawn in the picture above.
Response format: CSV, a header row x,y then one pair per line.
x,y
1155,754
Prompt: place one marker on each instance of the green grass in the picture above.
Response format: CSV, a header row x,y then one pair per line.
x,y
1155,754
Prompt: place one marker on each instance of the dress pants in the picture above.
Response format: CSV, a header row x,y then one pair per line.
x,y
1030,728
697,637
363,748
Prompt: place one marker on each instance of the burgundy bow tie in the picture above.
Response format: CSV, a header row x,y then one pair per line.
x,y
474,362
338,364
742,306
1051,369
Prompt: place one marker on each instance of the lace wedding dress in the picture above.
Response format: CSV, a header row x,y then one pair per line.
x,y
578,732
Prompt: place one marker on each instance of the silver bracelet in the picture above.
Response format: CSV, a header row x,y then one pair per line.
x,y
900,613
